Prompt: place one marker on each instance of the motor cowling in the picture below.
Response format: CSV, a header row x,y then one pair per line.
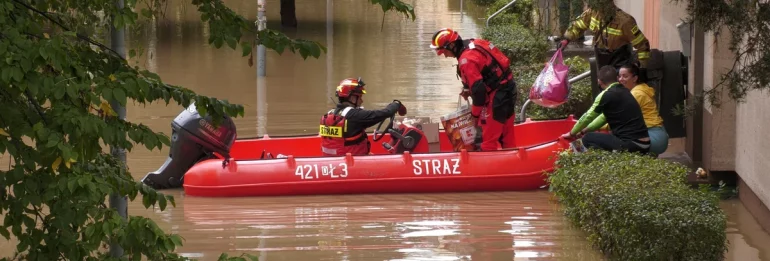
x,y
193,138
406,137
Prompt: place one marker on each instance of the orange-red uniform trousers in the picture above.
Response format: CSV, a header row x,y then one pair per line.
x,y
485,72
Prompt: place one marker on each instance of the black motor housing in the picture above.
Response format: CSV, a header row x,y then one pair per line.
x,y
193,139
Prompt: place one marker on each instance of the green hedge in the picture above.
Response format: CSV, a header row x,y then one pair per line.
x,y
638,208
522,12
522,45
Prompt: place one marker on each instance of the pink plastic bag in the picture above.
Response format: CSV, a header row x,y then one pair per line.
x,y
552,88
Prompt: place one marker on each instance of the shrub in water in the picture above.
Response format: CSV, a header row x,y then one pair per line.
x,y
522,45
523,12
638,208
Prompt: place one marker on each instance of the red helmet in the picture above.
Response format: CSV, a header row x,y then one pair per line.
x,y
350,87
442,38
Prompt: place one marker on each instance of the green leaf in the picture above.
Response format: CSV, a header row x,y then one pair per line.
x,y
171,199
252,257
246,47
176,239
89,231
71,185
5,233
132,52
169,245
53,140
5,75
164,139
120,95
231,42
147,13
107,227
18,75
218,42
162,203
107,93
146,201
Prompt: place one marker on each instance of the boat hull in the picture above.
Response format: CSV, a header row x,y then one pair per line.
x,y
303,173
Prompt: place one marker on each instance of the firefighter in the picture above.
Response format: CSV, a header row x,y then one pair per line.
x,y
343,129
486,77
615,33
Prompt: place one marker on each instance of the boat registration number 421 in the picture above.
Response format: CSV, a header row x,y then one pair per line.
x,y
316,172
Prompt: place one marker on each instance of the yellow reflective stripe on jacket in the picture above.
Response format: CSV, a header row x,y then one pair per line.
x,y
643,55
639,38
635,29
594,24
614,31
580,25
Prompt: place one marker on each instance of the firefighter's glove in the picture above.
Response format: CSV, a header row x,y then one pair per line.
x,y
465,93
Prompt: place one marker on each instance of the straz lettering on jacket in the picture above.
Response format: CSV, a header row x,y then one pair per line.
x,y
335,139
493,72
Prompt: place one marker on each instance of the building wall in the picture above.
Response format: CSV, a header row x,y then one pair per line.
x,y
731,137
635,8
752,161
719,127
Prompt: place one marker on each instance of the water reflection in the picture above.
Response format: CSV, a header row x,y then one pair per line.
x,y
467,226
396,64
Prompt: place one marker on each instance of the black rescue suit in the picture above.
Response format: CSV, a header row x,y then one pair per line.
x,y
343,129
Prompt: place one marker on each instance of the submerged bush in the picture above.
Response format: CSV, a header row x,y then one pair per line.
x,y
522,45
638,208
484,3
522,12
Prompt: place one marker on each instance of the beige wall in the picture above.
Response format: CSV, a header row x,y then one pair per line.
x,y
752,160
719,123
635,8
733,134
668,34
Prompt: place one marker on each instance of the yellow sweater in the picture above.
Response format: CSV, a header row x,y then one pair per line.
x,y
644,95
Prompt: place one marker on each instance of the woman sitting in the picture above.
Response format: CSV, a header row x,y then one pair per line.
x,y
645,96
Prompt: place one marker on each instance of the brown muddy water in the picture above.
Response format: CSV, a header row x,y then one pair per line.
x,y
396,64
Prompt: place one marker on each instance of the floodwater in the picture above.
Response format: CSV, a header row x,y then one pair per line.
x,y
394,61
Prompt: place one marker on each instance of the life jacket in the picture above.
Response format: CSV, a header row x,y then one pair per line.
x,y
497,69
497,76
335,139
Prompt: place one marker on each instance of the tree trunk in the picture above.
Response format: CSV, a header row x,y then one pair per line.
x,y
288,13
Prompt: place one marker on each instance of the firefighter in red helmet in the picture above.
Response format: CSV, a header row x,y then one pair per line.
x,y
486,77
343,129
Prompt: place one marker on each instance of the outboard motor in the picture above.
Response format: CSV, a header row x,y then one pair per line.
x,y
407,137
193,139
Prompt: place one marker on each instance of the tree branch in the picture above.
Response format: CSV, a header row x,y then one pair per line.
x,y
82,37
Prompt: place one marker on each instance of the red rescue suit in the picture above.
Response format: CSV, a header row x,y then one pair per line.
x,y
336,140
485,71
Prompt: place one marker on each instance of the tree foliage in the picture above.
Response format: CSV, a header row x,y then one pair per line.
x,y
746,21
57,81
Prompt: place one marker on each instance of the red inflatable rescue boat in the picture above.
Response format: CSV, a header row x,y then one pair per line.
x,y
305,172
407,163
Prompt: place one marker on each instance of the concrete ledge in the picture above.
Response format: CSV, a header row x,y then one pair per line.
x,y
755,206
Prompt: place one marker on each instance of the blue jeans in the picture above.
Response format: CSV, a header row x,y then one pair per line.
x,y
658,140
